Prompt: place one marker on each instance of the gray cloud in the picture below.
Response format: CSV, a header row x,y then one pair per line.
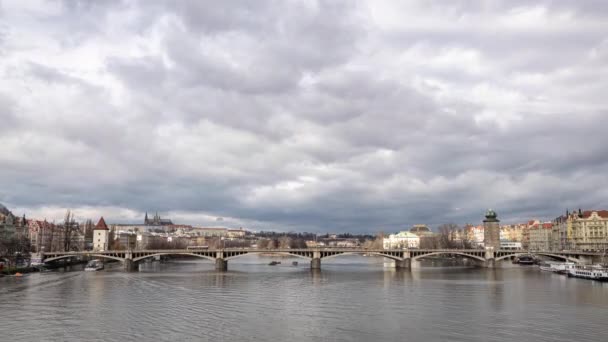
x,y
324,116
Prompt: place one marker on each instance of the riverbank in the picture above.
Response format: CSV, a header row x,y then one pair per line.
x,y
31,269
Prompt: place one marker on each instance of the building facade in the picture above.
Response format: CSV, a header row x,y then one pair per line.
x,y
402,239
581,230
540,237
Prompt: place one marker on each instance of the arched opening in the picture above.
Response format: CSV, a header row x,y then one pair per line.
x,y
361,254
263,252
138,259
48,260
464,255
550,255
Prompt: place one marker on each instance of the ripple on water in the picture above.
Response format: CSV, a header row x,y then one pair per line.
x,y
351,299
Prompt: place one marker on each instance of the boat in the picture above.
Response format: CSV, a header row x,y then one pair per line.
x,y
94,265
594,272
526,260
563,267
556,266
272,263
546,266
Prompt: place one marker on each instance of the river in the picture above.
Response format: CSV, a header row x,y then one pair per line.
x,y
350,299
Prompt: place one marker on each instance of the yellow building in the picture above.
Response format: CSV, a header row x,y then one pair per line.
x,y
581,230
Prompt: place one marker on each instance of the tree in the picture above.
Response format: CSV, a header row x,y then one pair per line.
x,y
14,249
70,230
113,243
88,232
447,236
284,242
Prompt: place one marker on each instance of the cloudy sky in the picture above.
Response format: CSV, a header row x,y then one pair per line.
x,y
359,116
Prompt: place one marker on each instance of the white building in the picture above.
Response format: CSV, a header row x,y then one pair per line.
x,y
402,239
478,236
100,236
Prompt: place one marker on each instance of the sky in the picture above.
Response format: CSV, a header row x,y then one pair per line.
x,y
322,116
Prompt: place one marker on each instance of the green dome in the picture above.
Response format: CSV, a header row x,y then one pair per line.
x,y
490,214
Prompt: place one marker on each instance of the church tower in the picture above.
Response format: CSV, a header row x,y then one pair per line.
x,y
491,230
146,218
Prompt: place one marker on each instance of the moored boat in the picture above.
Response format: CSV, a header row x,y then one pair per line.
x,y
595,272
556,266
94,265
526,260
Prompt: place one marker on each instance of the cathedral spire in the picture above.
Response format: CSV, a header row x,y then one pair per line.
x,y
146,218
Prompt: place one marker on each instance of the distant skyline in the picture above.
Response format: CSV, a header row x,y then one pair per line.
x,y
321,116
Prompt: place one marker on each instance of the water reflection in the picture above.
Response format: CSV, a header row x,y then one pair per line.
x,y
349,299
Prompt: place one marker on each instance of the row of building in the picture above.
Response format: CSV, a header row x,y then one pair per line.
x,y
576,230
49,236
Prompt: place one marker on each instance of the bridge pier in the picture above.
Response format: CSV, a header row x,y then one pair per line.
x,y
130,265
221,265
489,263
315,263
403,264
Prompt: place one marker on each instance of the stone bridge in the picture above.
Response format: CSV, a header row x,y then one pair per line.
x,y
402,257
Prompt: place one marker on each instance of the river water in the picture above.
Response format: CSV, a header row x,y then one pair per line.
x,y
350,299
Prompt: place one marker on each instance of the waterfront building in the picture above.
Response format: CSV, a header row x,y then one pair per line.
x,y
588,230
511,232
540,236
402,239
101,236
491,230
476,235
580,230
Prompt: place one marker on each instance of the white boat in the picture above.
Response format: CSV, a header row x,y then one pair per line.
x,y
556,266
548,266
94,265
563,267
595,272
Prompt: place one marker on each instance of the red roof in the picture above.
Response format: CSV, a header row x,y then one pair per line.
x,y
600,213
547,225
101,225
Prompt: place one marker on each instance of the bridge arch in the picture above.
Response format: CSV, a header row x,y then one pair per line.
x,y
261,252
88,255
173,253
469,256
392,257
557,256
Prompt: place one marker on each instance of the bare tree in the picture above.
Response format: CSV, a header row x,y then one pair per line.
x,y
284,242
70,230
447,235
430,242
88,232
